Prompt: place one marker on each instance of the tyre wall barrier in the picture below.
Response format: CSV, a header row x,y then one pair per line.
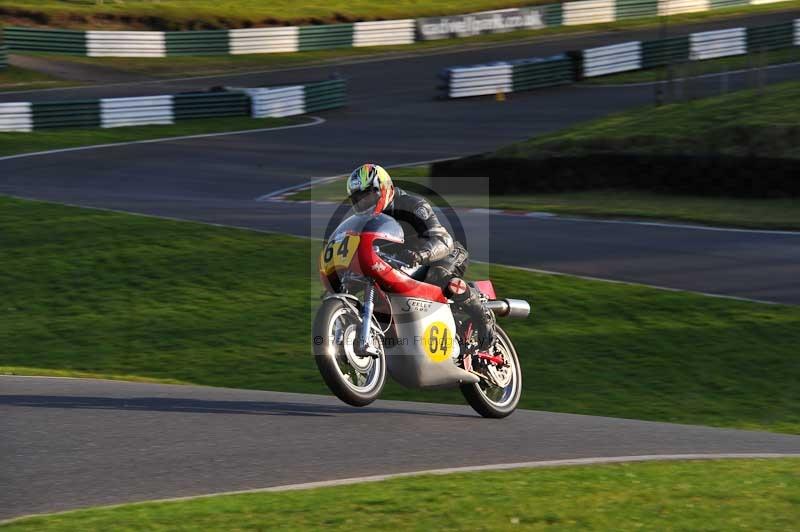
x,y
167,109
211,42
359,34
520,75
298,99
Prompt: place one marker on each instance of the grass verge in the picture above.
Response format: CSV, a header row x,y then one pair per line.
x,y
708,495
207,14
14,78
699,68
51,139
105,294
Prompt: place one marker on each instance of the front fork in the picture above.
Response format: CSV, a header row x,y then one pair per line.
x,y
365,347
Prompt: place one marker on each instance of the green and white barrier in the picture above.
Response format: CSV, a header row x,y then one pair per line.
x,y
797,32
125,44
3,57
503,77
359,34
120,112
588,12
477,80
264,40
720,43
604,60
16,116
384,33
167,109
676,7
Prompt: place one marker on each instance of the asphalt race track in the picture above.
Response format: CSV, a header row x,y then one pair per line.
x,y
75,443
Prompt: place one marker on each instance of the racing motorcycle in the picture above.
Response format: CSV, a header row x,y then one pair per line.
x,y
378,316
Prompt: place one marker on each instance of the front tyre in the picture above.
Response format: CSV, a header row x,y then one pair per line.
x,y
492,400
356,380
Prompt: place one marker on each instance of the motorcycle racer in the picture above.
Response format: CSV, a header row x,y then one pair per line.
x,y
370,190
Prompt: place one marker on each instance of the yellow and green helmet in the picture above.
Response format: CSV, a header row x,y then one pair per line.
x,y
370,188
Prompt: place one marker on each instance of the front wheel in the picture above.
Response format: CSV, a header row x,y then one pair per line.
x,y
356,380
499,397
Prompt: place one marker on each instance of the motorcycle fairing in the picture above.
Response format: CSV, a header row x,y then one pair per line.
x,y
422,349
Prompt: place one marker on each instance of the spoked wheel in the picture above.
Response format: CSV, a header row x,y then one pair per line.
x,y
499,395
354,379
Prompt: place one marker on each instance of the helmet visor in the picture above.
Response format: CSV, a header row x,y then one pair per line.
x,y
365,200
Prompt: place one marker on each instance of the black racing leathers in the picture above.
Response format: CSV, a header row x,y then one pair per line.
x,y
447,258
424,233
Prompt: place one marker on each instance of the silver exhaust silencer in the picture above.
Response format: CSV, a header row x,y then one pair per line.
x,y
510,308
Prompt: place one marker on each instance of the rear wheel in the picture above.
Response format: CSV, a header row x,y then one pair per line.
x,y
499,395
354,379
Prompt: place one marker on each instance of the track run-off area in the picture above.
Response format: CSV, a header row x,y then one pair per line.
x,y
72,443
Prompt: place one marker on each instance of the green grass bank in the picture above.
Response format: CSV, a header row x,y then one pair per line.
x,y
711,496
97,293
748,122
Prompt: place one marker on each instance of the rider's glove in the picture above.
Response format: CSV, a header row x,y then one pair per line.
x,y
411,257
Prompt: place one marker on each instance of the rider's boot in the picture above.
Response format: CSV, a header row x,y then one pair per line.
x,y
468,300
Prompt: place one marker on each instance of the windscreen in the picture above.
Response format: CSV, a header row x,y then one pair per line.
x,y
385,225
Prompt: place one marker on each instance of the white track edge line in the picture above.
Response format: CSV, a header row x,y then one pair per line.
x,y
443,471
315,121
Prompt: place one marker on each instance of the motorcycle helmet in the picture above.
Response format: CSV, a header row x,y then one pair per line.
x,y
370,189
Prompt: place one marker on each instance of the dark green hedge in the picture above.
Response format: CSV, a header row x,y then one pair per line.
x,y
676,174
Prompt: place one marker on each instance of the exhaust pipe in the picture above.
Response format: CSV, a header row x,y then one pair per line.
x,y
510,308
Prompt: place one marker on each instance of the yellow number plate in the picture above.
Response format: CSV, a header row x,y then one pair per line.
x,y
338,254
437,342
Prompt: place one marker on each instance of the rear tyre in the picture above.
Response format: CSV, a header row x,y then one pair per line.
x,y
356,380
490,400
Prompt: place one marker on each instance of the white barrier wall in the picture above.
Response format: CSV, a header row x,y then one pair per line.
x,y
119,112
383,33
16,116
125,44
797,32
263,40
589,12
283,101
720,43
673,7
481,79
610,59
